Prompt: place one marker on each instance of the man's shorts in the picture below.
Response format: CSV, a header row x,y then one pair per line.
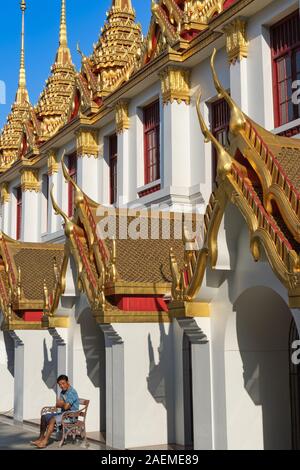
x,y
57,416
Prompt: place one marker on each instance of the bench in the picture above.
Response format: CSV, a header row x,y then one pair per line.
x,y
73,423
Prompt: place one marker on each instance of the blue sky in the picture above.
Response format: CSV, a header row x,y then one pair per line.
x,y
84,18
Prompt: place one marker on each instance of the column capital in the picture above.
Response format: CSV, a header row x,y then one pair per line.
x,y
122,116
4,193
236,40
30,180
53,165
175,85
87,143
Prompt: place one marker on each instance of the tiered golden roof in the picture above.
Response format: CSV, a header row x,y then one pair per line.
x,y
55,102
116,53
11,136
178,22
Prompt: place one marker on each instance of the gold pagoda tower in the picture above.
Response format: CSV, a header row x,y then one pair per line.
x,y
54,104
11,136
117,51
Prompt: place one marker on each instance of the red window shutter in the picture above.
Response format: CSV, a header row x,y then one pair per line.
x,y
285,46
220,128
152,142
19,213
113,168
72,167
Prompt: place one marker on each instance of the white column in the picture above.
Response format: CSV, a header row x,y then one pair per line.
x,y
18,376
176,145
88,175
115,389
30,206
260,78
239,83
5,217
201,384
7,361
123,167
39,372
53,220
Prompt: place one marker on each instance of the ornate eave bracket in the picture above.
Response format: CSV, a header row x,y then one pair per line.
x,y
53,164
237,44
4,193
122,116
87,143
175,85
30,180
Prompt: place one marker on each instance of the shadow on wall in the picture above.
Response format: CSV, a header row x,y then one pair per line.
x,y
10,352
49,371
93,344
263,322
159,380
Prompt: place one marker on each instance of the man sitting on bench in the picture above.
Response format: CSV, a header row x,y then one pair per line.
x,y
67,401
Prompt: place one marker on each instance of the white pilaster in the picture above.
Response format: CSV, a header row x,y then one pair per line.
x,y
30,229
5,217
7,356
123,167
239,83
175,154
53,220
37,377
88,175
115,388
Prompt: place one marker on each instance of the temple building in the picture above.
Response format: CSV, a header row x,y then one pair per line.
x,y
149,215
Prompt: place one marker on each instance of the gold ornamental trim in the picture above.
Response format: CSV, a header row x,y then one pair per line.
x,y
4,193
53,164
87,143
236,40
175,85
30,180
122,116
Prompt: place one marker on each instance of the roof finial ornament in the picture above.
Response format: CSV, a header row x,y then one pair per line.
x,y
63,54
22,93
63,25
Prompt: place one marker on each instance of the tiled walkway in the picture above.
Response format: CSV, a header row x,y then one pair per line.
x,y
18,437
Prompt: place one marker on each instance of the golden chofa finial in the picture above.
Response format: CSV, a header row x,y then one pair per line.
x,y
22,93
58,211
237,119
79,197
224,159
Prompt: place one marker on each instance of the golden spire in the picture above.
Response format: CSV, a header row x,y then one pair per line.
x,y
22,93
115,56
10,138
63,25
122,4
63,56
55,101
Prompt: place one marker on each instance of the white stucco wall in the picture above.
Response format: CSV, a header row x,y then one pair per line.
x,y
250,324
86,363
148,378
39,372
6,373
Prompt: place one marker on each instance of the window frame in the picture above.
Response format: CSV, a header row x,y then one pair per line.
x,y
113,168
19,210
218,129
72,168
290,50
154,128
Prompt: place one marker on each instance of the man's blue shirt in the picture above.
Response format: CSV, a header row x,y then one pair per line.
x,y
71,397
